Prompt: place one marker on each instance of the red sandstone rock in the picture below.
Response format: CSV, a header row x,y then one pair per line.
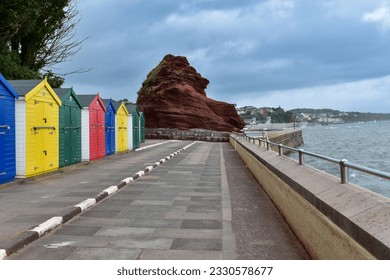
x,y
173,96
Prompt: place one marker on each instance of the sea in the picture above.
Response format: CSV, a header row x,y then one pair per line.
x,y
363,143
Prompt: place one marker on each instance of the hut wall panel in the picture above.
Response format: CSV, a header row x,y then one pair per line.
x,y
77,134
116,134
130,131
85,134
136,141
20,139
7,137
61,122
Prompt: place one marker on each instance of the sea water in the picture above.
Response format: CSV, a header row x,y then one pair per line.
x,y
366,144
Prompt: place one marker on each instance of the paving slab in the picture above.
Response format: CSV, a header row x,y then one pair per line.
x,y
180,255
104,254
197,244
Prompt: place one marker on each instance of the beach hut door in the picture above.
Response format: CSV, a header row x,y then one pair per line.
x,y
68,134
43,134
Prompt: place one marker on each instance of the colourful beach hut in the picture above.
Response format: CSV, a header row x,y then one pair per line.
x,y
37,136
121,125
93,145
110,126
69,127
142,127
7,131
133,126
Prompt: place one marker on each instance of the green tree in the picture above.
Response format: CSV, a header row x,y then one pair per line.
x,y
280,116
36,35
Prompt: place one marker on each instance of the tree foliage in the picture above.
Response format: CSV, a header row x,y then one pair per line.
x,y
278,115
36,35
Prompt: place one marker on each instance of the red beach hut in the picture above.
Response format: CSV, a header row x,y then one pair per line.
x,y
93,137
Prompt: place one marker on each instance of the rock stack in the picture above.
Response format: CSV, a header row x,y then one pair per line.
x,y
173,96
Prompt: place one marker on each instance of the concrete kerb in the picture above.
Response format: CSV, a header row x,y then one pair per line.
x,y
40,230
3,254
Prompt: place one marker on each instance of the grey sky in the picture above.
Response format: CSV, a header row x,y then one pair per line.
x,y
289,53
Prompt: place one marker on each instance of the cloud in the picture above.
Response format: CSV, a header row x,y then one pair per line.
x,y
211,19
249,50
380,15
365,95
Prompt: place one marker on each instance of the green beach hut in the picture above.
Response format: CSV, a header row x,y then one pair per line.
x,y
69,127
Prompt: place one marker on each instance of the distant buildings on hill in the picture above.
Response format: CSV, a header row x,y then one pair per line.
x,y
253,115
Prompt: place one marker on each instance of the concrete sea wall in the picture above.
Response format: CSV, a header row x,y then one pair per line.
x,y
288,137
191,134
292,138
331,220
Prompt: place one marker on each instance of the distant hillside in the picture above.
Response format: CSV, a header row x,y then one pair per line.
x,y
252,114
343,116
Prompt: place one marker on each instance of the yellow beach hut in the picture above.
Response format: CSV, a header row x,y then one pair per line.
x,y
121,125
36,125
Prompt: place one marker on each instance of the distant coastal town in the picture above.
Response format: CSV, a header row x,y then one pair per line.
x,y
253,115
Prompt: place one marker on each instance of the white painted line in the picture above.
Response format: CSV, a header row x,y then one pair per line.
x,y
59,245
157,163
189,145
111,190
86,204
3,254
128,180
140,173
151,146
48,225
162,160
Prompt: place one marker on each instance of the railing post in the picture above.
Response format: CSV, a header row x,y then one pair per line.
x,y
280,149
268,145
344,172
300,153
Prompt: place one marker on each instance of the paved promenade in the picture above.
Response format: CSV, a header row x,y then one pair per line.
x,y
202,203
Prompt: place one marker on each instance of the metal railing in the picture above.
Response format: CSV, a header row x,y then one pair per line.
x,y
344,164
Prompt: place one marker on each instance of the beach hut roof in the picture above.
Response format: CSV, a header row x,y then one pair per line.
x,y
24,87
62,92
107,101
131,107
5,83
86,99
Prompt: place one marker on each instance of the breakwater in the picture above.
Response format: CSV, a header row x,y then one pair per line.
x,y
288,137
332,220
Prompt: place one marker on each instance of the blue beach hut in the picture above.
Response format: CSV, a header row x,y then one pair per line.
x,y
7,131
110,126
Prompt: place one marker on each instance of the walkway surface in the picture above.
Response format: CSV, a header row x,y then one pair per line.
x,y
202,203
